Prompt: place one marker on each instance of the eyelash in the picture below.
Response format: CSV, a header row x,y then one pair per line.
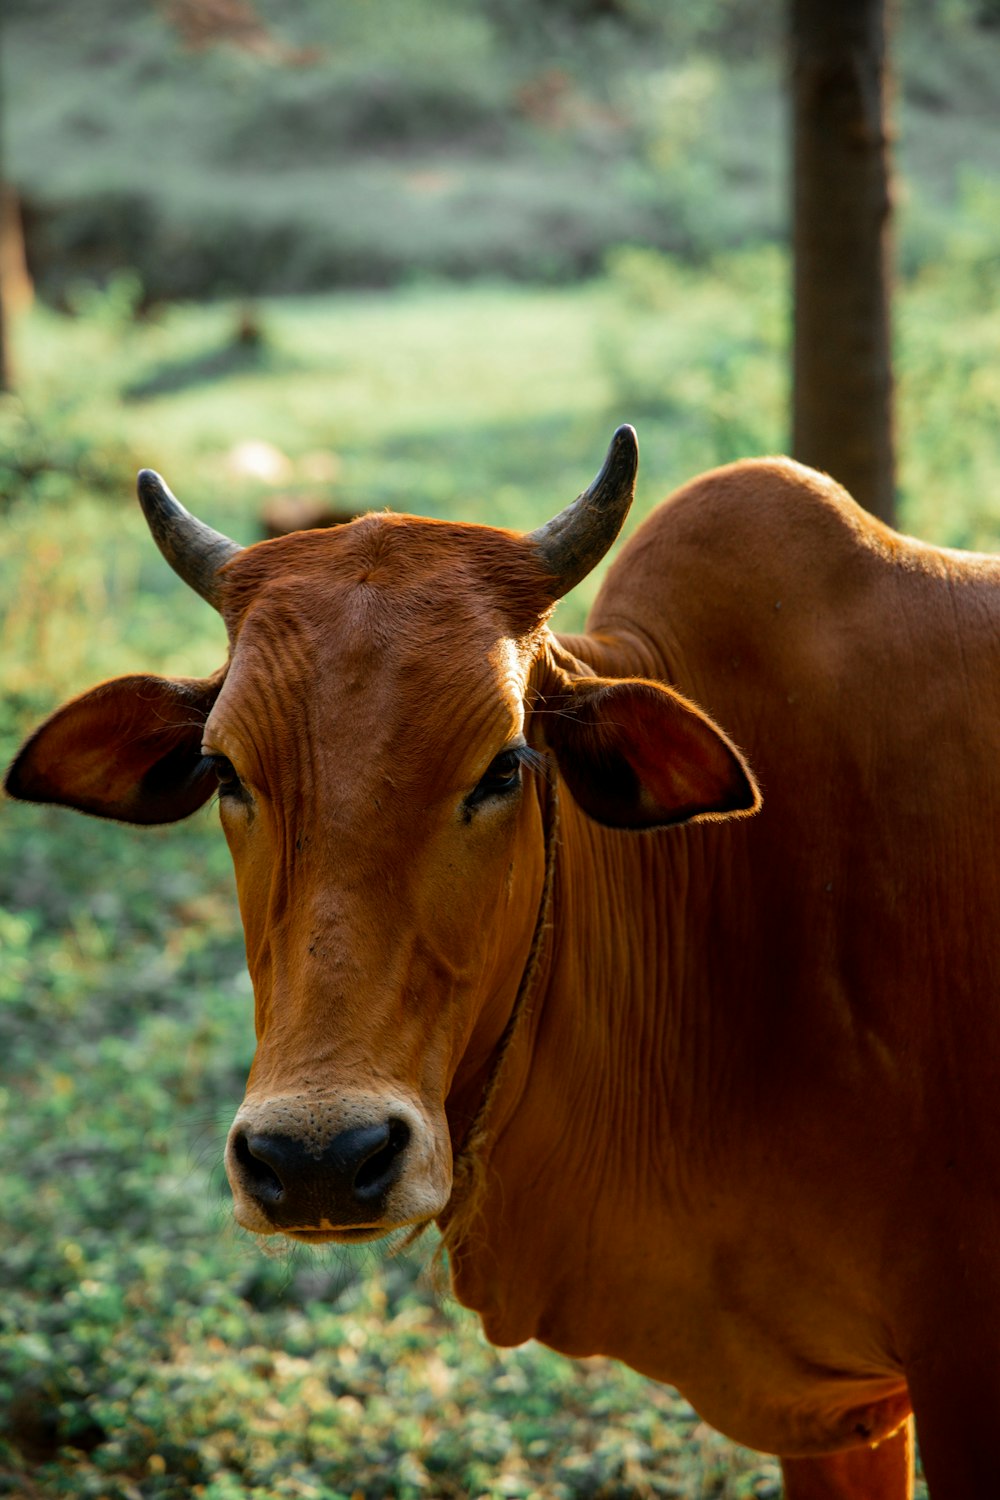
x,y
503,775
230,785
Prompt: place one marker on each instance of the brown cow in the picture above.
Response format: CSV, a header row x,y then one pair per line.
x,y
716,1098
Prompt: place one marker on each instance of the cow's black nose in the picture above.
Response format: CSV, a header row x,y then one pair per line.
x,y
345,1184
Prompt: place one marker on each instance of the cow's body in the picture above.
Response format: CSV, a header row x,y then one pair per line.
x,y
777,1146
739,1120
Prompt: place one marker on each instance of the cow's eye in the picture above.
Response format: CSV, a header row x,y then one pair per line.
x,y
503,776
227,776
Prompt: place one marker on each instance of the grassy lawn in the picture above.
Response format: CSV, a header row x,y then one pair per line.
x,y
146,1348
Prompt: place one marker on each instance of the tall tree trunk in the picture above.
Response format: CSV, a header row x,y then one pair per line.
x,y
6,376
842,418
16,290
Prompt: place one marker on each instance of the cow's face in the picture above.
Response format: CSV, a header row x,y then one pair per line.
x,y
383,742
371,748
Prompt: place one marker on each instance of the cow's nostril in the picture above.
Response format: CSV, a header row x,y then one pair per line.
x,y
378,1171
258,1167
345,1183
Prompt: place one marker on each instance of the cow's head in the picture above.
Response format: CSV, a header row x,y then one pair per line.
x,y
379,740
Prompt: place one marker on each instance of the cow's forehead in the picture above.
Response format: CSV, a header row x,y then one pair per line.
x,y
381,637
400,566
386,590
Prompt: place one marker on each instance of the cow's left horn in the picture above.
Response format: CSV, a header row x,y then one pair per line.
x,y
193,550
577,538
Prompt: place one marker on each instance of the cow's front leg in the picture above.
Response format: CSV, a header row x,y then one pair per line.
x,y
882,1473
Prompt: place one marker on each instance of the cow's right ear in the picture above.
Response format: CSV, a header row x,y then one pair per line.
x,y
129,749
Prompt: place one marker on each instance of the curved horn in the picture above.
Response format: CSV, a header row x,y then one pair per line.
x,y
575,540
193,550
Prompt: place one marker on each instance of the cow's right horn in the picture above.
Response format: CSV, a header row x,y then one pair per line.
x,y
193,550
575,540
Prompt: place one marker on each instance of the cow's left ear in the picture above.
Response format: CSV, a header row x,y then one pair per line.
x,y
636,754
129,749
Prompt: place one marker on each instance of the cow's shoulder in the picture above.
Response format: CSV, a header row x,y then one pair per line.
x,y
762,586
765,513
741,550
769,535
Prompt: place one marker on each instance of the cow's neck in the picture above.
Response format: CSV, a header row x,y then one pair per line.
x,y
475,1100
602,1100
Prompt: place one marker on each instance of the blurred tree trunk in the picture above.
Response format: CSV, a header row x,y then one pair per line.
x,y
6,376
16,290
842,404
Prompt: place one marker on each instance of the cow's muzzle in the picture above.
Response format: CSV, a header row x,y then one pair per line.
x,y
346,1185
297,1169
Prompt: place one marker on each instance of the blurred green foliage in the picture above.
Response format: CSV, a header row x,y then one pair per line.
x,y
383,142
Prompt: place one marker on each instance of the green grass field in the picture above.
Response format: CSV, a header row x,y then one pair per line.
x,y
146,1348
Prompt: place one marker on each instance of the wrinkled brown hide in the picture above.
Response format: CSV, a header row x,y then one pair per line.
x,y
742,1135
